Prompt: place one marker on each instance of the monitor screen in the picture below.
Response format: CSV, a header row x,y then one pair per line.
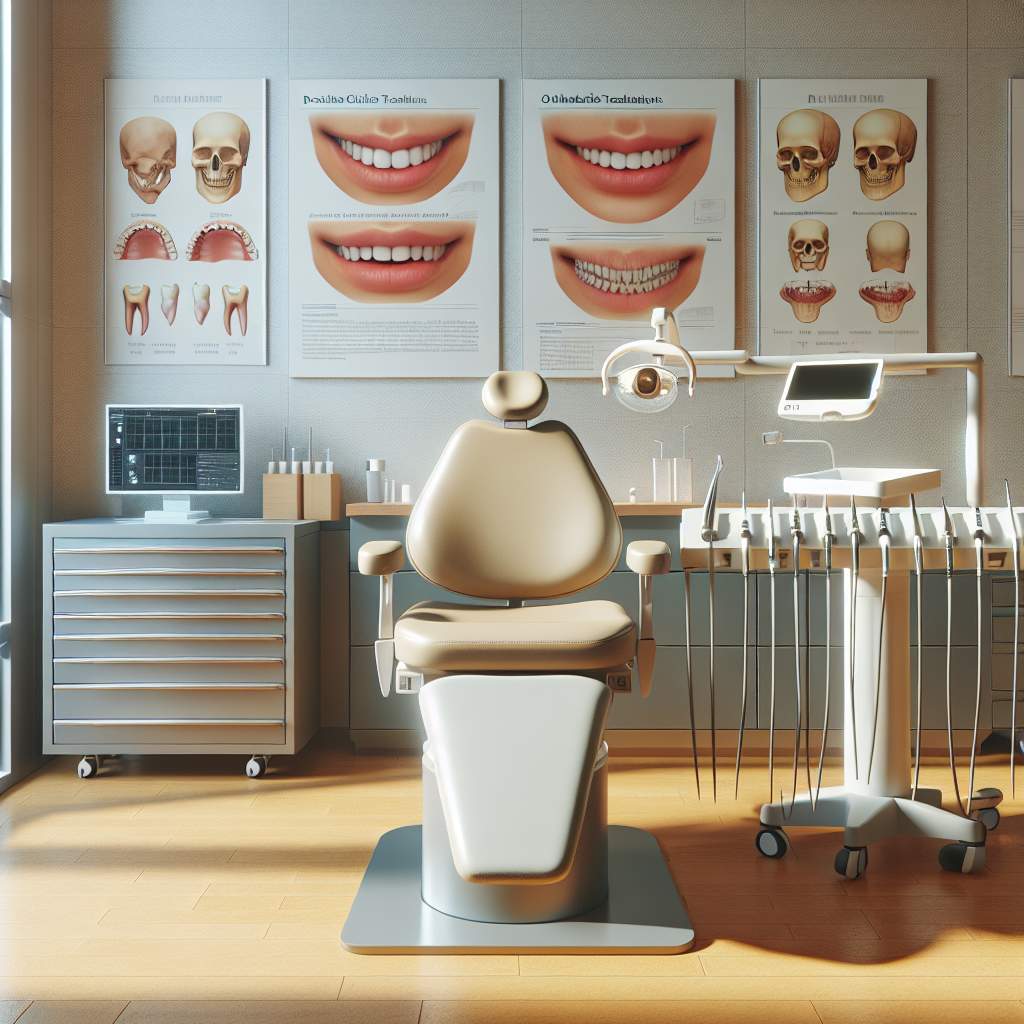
x,y
174,449
816,381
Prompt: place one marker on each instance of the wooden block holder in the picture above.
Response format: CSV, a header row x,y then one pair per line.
x,y
282,496
321,497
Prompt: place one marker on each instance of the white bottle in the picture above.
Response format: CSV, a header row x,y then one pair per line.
x,y
375,480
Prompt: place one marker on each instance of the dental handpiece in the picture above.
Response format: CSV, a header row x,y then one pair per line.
x,y
885,548
918,578
855,541
1016,638
949,541
828,539
745,537
772,566
979,569
689,677
796,536
709,534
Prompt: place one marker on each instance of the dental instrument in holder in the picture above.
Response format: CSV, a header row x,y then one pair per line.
x,y
773,564
949,542
689,677
885,547
828,539
918,587
979,569
745,538
856,537
709,535
796,537
1016,637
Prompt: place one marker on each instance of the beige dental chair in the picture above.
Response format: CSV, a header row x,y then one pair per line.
x,y
515,851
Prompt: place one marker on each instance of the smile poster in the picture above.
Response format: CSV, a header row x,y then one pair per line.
x,y
629,196
393,228
843,230
185,244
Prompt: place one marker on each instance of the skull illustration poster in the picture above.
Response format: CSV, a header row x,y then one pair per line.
x,y
1016,228
393,228
628,189
185,222
843,226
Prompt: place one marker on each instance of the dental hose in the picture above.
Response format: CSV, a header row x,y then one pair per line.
x,y
885,546
979,558
1016,639
771,698
711,668
950,539
855,538
745,568
797,534
689,678
918,573
828,539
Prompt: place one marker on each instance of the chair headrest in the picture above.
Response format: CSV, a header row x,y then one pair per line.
x,y
515,395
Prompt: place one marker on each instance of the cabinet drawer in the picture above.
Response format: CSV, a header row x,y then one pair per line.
x,y
1002,629
167,622
176,600
169,700
1002,593
128,731
101,669
162,578
1002,670
87,557
165,645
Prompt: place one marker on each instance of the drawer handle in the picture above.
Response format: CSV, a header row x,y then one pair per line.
x,y
276,638
226,571
170,551
167,721
135,687
187,616
168,661
169,593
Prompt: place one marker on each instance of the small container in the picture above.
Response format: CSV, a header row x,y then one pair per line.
x,y
406,494
661,475
375,480
682,479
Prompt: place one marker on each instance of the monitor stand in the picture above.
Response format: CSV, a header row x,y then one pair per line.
x,y
176,510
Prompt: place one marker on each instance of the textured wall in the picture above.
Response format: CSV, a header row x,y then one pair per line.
x,y
967,51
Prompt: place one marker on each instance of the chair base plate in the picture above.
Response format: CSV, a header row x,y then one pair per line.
x,y
644,913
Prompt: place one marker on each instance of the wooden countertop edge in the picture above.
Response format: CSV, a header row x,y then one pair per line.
x,y
622,508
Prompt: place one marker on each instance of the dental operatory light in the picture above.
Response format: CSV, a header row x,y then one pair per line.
x,y
651,386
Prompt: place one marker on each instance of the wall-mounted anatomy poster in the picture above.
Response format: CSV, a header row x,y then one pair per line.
x,y
843,230
185,241
628,194
393,228
1016,298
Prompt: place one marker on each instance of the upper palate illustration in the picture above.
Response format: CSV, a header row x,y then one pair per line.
x,y
221,240
391,159
888,246
628,168
808,244
149,151
220,149
623,282
808,145
387,261
883,144
145,240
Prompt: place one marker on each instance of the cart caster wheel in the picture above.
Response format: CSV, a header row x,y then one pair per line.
x,y
962,858
772,843
989,817
852,861
256,766
88,766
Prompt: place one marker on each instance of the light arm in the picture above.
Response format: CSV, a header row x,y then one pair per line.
x,y
647,558
383,558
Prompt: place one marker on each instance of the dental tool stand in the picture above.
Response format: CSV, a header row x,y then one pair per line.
x,y
866,810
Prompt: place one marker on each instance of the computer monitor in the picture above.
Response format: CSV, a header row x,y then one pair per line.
x,y
176,451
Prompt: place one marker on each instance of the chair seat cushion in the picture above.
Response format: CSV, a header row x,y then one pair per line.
x,y
458,637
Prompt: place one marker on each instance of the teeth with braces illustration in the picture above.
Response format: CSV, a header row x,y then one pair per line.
x,y
626,282
383,159
145,225
628,161
223,225
391,253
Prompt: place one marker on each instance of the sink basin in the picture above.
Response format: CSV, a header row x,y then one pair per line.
x,y
857,482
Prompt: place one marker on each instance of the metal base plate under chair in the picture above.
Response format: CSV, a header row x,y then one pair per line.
x,y
644,913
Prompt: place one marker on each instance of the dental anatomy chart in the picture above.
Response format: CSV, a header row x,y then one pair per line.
x,y
628,194
843,226
393,228
185,242
1016,303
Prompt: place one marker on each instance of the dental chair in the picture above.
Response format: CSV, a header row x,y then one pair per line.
x,y
515,852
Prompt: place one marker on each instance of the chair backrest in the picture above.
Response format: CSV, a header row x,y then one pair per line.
x,y
511,512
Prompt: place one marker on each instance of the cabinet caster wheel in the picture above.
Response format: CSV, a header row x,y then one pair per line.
x,y
962,858
256,766
989,817
852,861
88,766
772,842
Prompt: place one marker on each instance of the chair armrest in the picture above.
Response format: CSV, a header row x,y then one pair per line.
x,y
381,557
649,557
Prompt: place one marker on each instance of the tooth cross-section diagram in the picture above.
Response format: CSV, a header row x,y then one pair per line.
x,y
169,302
200,301
136,301
236,301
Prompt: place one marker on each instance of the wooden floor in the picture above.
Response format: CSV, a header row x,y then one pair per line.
x,y
176,890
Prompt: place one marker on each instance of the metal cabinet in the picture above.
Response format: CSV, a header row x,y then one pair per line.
x,y
181,639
